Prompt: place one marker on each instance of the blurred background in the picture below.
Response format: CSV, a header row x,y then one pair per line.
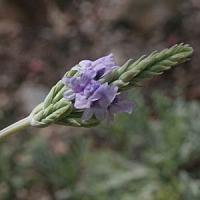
x,y
154,154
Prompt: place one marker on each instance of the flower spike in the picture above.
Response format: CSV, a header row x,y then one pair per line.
x,y
94,90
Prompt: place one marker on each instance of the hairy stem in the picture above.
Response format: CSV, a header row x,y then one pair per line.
x,y
14,128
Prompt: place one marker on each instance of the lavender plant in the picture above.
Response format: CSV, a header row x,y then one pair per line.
x,y
93,91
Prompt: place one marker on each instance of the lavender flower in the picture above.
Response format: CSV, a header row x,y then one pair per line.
x,y
98,68
96,99
105,102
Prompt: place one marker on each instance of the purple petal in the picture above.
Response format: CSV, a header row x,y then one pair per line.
x,y
82,66
89,74
85,63
91,87
81,102
87,114
108,60
69,94
121,106
107,63
105,94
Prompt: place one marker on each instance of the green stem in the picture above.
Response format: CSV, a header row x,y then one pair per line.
x,y
12,129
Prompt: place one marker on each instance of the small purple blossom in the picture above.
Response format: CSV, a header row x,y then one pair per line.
x,y
98,68
96,99
109,103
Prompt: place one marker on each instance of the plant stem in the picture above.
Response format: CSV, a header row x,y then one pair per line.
x,y
12,129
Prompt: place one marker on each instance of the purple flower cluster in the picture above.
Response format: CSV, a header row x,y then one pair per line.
x,y
96,99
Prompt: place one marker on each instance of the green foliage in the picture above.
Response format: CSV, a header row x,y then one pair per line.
x,y
134,73
153,154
